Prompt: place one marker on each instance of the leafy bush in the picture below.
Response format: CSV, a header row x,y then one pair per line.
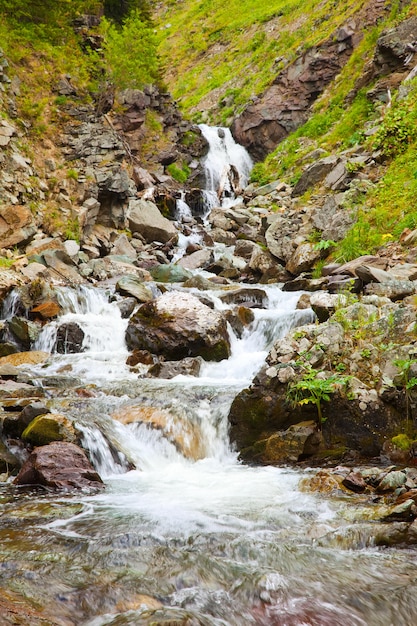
x,y
130,52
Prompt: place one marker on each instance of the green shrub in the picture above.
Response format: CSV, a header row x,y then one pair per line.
x,y
130,53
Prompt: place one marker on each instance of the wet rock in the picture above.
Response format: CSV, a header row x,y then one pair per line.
x,y
170,273
323,482
177,325
8,461
251,298
44,429
183,434
69,339
145,218
354,482
11,389
14,425
126,306
23,331
132,286
45,311
190,366
25,358
298,442
392,481
59,465
143,357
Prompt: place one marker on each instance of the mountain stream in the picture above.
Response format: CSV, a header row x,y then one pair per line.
x,y
191,536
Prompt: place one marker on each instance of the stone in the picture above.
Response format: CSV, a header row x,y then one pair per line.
x,y
33,357
49,427
170,274
17,225
325,304
354,482
190,366
123,247
145,218
45,311
14,425
298,442
24,331
313,174
303,258
69,338
184,435
252,298
392,289
391,481
196,260
59,465
130,285
177,325
11,389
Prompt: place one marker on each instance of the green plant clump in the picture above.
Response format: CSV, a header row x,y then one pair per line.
x,y
312,389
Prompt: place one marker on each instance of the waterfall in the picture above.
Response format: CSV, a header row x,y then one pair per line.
x,y
227,166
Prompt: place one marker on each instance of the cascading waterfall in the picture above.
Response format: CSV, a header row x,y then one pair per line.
x,y
183,533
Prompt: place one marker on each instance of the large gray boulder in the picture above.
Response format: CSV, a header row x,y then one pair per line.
x,y
145,218
177,325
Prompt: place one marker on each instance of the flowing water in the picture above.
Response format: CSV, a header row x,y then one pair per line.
x,y
183,533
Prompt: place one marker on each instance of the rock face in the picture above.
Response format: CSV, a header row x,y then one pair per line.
x,y
177,325
59,465
285,105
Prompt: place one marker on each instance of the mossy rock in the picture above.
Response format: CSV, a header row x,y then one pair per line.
x,y
50,427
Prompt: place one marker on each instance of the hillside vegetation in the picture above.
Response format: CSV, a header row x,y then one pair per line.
x,y
219,56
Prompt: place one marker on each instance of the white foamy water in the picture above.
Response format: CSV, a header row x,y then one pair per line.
x,y
227,166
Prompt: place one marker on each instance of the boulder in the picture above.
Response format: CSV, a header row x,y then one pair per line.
x,y
59,465
25,358
69,338
252,298
49,427
145,218
170,274
196,260
16,225
15,424
130,285
177,325
183,434
297,443
303,258
190,366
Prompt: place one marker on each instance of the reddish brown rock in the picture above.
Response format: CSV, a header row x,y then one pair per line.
x,y
59,465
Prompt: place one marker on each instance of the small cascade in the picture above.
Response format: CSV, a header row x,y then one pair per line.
x,y
11,305
227,167
103,351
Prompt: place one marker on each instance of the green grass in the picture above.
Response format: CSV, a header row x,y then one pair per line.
x,y
209,48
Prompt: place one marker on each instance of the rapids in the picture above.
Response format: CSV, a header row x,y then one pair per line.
x,y
185,534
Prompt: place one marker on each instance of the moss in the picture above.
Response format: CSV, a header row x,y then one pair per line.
x,y
47,428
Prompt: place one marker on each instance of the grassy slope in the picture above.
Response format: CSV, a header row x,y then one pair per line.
x,y
217,55
215,51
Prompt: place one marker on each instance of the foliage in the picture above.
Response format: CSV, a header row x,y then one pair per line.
x,y
313,389
118,10
405,366
179,174
130,52
399,126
